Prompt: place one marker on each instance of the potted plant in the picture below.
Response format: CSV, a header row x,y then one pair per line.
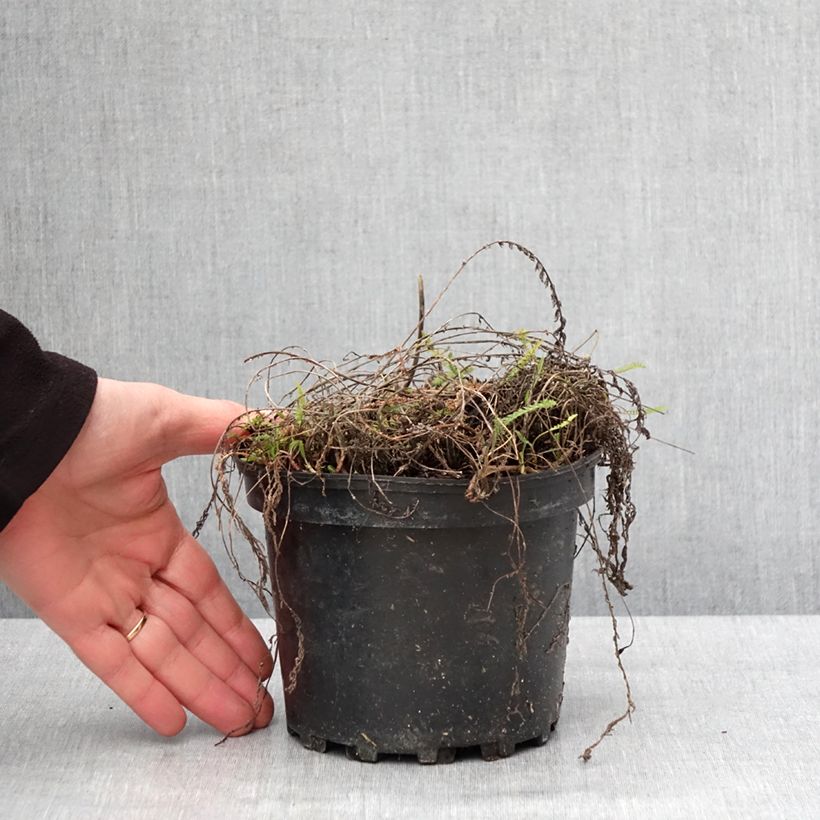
x,y
421,510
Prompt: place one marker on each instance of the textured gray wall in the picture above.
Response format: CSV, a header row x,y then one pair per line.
x,y
184,184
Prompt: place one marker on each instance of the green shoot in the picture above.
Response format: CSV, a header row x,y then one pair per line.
x,y
631,366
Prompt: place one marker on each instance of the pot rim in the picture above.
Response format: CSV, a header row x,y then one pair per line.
x,y
338,481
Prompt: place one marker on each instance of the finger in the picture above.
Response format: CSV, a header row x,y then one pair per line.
x,y
190,425
190,681
192,573
108,655
202,641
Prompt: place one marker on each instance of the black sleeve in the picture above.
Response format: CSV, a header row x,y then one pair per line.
x,y
44,400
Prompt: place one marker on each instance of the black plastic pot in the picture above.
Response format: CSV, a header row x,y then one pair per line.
x,y
407,648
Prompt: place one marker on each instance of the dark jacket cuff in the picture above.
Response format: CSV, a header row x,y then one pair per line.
x,y
44,401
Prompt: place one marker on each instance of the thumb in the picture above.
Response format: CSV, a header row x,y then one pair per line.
x,y
194,425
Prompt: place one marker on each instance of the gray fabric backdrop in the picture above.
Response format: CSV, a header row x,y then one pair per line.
x,y
185,183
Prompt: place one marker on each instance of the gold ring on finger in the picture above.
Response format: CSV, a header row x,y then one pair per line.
x,y
135,630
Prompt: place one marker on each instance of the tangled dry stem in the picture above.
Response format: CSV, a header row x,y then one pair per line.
x,y
464,401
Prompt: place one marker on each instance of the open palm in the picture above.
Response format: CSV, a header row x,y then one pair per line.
x,y
100,543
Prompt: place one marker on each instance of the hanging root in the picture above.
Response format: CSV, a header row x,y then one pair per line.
x,y
463,401
586,755
262,684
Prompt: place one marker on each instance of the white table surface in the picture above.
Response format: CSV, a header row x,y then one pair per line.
x,y
727,725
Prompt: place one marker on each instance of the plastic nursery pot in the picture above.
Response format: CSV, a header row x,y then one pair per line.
x,y
411,621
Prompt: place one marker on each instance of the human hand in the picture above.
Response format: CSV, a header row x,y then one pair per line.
x,y
100,543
